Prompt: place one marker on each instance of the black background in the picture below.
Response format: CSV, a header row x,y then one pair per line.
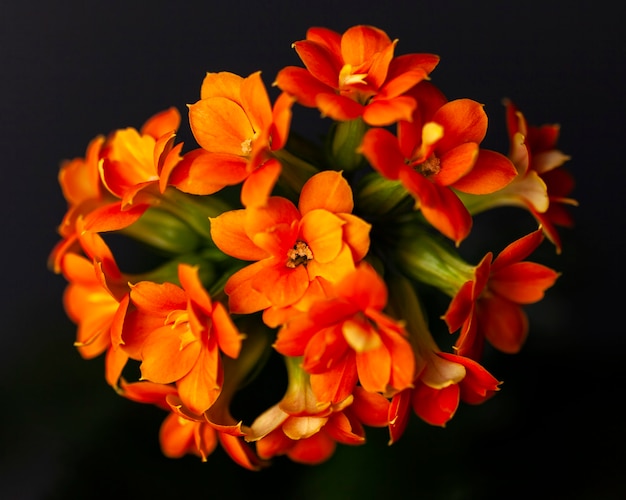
x,y
72,70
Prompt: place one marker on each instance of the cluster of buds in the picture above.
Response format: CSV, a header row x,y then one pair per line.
x,y
267,245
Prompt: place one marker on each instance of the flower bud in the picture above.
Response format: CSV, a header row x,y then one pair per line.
x,y
345,139
164,232
428,258
376,195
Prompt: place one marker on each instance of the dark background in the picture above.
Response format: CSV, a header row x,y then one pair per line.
x,y
72,70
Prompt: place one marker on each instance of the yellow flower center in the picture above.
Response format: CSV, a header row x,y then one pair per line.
x,y
346,77
299,254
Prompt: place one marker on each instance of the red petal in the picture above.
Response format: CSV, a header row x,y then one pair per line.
x,y
491,171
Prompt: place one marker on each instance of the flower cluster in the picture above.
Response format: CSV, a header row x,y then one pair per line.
x,y
264,244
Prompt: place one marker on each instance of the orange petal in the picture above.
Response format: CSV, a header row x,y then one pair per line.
x,y
242,298
228,233
301,84
259,185
202,172
162,123
164,361
374,367
328,190
221,84
383,112
220,125
201,386
491,171
463,120
523,282
338,107
356,233
504,324
455,163
256,102
323,233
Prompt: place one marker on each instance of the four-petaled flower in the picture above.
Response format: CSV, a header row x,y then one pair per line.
x,y
292,245
237,129
348,339
437,152
489,307
355,74
179,333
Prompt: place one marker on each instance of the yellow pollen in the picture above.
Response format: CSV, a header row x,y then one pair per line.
x,y
299,254
246,147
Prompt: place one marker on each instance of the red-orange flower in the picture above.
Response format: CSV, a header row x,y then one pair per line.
x,y
306,429
179,333
441,380
540,186
237,130
489,307
436,152
292,246
446,380
348,339
355,74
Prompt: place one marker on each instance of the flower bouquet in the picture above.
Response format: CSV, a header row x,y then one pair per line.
x,y
262,246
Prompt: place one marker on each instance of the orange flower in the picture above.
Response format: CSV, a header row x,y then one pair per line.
x,y
540,185
96,299
179,333
83,190
436,152
130,165
136,160
184,432
348,339
237,129
308,430
447,380
489,306
442,380
355,75
292,246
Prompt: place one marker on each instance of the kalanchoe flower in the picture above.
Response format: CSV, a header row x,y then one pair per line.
x,y
183,432
355,74
96,299
347,339
306,429
237,129
442,379
291,246
179,333
541,186
83,191
489,307
135,160
437,152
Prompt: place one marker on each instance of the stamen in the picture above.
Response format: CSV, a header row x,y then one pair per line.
x,y
346,77
246,147
299,254
430,167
